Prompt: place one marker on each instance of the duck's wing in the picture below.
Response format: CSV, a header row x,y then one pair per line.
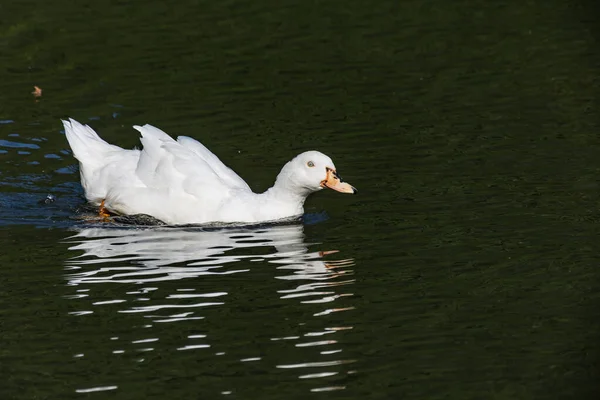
x,y
169,166
226,174
152,153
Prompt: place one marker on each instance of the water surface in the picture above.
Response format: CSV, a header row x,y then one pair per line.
x,y
466,267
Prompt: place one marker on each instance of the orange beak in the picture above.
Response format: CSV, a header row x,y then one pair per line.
x,y
333,181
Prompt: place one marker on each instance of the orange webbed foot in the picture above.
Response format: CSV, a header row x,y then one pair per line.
x,y
103,212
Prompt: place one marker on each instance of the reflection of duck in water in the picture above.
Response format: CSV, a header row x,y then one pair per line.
x,y
158,253
182,182
157,276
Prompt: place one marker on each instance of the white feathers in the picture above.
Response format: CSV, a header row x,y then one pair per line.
x,y
181,181
99,162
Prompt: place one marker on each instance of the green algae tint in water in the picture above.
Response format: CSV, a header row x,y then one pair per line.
x,y
466,266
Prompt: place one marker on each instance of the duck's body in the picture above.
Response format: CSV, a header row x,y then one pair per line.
x,y
182,182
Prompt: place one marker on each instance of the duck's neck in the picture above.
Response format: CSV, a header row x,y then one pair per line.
x,y
282,201
284,194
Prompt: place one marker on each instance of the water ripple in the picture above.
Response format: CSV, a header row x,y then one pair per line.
x,y
18,145
317,364
96,389
195,277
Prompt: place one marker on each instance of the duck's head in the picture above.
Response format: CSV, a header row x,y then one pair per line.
x,y
312,171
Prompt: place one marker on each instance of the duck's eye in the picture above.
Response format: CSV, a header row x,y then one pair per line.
x,y
310,164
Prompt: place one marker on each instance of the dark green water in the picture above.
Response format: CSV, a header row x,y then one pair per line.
x,y
467,265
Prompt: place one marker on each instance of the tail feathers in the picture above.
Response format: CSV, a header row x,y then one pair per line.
x,y
86,145
91,151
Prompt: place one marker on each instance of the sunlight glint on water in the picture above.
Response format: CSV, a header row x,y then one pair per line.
x,y
151,258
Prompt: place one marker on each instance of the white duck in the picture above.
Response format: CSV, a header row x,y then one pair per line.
x,y
182,182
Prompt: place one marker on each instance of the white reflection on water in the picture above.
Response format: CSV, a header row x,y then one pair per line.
x,y
155,260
